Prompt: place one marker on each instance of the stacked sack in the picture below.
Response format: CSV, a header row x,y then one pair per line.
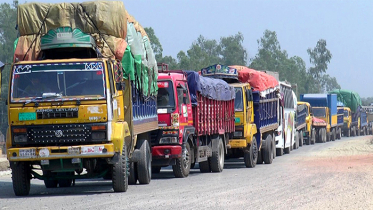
x,y
117,34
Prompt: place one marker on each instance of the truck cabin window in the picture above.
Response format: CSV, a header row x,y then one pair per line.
x,y
319,112
238,101
345,113
61,80
165,98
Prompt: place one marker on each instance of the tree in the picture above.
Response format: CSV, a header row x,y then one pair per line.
x,y
329,83
232,50
156,45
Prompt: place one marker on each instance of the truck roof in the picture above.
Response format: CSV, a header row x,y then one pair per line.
x,y
61,61
172,75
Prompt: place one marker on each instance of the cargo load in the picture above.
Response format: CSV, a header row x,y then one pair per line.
x,y
260,81
349,98
216,89
117,35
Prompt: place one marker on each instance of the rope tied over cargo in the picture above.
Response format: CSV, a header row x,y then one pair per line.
x,y
38,34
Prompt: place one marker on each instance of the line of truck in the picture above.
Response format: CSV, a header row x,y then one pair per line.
x,y
87,100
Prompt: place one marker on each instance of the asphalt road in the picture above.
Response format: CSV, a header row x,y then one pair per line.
x,y
333,175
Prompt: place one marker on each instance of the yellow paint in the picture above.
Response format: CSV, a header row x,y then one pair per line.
x,y
237,143
120,132
348,119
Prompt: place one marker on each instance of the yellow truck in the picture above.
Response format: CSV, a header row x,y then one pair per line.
x,y
306,132
75,113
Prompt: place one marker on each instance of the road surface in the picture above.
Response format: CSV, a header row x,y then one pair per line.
x,y
333,175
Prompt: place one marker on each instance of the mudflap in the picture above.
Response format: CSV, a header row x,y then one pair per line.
x,y
203,153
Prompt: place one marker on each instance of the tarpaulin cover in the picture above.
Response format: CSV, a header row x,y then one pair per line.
x,y
318,121
350,99
258,80
216,89
108,16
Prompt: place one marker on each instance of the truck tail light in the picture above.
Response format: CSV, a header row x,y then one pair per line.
x,y
98,127
19,130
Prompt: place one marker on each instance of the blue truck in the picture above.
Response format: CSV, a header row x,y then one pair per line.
x,y
324,107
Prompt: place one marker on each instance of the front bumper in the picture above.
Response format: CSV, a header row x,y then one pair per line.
x,y
60,152
166,151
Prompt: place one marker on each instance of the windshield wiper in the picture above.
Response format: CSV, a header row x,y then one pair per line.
x,y
45,95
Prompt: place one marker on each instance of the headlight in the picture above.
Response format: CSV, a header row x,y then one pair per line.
x,y
238,134
20,138
98,135
169,140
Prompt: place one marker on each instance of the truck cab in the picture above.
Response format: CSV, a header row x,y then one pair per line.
x,y
175,121
304,123
347,119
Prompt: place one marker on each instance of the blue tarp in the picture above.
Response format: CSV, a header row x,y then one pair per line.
x,y
216,89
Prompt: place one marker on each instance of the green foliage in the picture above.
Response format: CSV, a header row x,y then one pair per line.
x,y
367,101
156,45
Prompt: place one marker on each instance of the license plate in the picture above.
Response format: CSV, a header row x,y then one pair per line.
x,y
167,156
73,150
27,152
25,116
75,160
92,150
44,162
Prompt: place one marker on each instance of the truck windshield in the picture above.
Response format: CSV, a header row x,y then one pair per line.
x,y
319,112
166,96
238,101
345,113
80,81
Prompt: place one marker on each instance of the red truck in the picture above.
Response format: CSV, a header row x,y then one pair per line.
x,y
196,121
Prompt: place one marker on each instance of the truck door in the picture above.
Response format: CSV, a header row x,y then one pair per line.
x,y
249,104
183,101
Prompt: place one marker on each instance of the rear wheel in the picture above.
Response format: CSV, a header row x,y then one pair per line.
x,y
21,174
120,169
339,135
313,139
217,159
204,167
144,165
268,153
182,167
334,135
358,132
348,132
49,183
251,155
287,150
132,179
260,156
279,151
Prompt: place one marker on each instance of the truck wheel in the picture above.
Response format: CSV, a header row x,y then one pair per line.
x,y
21,174
326,136
156,169
132,179
348,132
334,135
301,138
251,155
274,148
268,153
217,159
260,156
65,182
358,132
144,165
49,183
319,135
120,172
279,151
287,150
296,144
182,167
204,167
313,138
339,133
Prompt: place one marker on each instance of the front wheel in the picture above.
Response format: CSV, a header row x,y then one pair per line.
x,y
217,159
21,174
120,171
182,167
251,155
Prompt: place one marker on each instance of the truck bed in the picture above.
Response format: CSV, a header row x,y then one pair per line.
x,y
213,116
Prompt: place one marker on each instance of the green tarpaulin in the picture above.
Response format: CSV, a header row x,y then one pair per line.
x,y
349,98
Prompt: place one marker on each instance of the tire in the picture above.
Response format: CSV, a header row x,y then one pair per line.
x,y
274,149
204,167
358,132
217,159
325,135
268,153
182,167
287,150
301,138
120,172
334,135
156,169
251,155
339,136
260,157
309,138
144,165
328,136
132,179
296,144
49,183
348,132
279,151
320,135
21,175
313,139
65,182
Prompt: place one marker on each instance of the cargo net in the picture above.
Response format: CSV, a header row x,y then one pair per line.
x,y
116,33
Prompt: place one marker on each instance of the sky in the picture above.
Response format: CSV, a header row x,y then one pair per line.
x,y
345,25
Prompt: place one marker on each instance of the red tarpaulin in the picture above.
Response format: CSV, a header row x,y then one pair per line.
x,y
318,121
260,81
